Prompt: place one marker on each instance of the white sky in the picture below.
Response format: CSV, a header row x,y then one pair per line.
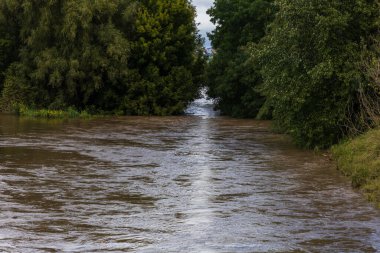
x,y
205,25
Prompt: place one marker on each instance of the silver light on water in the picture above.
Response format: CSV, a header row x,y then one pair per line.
x,y
203,106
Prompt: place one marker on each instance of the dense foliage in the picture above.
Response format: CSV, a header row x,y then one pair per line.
x,y
230,78
306,63
167,60
311,66
9,40
124,56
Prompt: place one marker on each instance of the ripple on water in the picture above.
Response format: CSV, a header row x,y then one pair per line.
x,y
172,184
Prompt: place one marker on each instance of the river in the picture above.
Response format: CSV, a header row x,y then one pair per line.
x,y
195,183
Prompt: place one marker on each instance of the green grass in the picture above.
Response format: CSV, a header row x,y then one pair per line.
x,y
52,114
359,159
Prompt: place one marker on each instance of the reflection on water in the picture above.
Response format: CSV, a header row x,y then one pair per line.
x,y
202,107
172,184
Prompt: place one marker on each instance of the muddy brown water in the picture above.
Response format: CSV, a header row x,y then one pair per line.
x,y
197,183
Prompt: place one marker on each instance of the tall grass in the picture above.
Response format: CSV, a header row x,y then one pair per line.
x,y
359,158
52,114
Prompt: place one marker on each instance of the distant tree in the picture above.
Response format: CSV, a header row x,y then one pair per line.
x,y
311,65
231,78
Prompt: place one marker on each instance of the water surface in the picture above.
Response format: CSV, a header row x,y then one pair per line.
x,y
174,184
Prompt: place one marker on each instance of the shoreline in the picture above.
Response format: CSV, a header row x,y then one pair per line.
x,y
358,158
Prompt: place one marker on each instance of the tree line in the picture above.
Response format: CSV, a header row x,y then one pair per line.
x,y
134,57
310,65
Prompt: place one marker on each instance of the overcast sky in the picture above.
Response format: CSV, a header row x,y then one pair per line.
x,y
205,25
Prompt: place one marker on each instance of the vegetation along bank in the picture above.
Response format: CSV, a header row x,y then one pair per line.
x,y
135,57
313,66
359,158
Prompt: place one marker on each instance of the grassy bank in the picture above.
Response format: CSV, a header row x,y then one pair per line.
x,y
359,158
52,114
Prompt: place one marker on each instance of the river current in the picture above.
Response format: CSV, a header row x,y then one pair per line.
x,y
194,183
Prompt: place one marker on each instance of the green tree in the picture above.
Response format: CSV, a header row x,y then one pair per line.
x,y
72,54
104,55
166,56
232,79
9,39
311,65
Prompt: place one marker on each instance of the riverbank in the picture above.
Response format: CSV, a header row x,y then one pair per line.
x,y
52,114
359,159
